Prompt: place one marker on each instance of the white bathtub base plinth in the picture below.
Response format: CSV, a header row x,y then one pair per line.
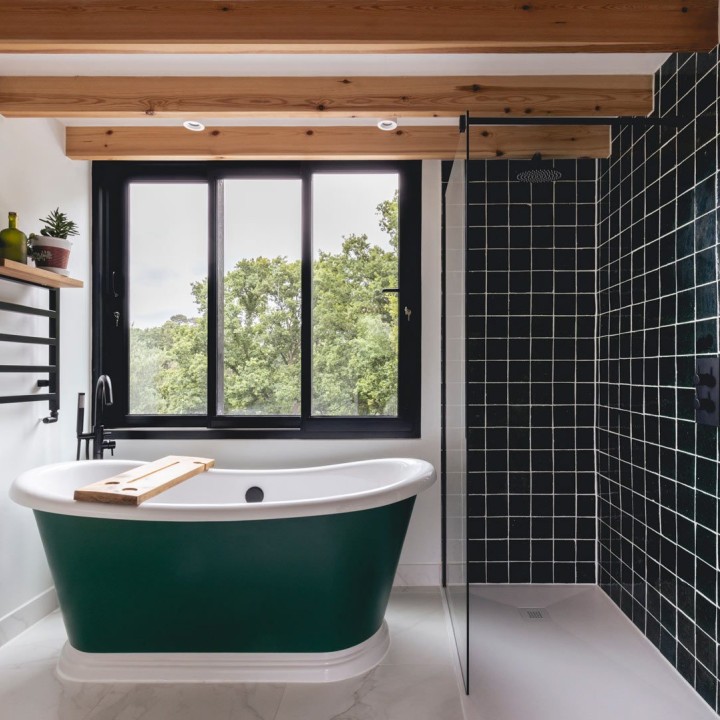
x,y
76,666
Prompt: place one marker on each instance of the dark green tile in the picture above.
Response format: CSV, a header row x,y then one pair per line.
x,y
686,309
686,468
685,241
707,441
686,408
668,310
686,428
706,301
685,273
706,231
706,473
686,337
706,336
705,270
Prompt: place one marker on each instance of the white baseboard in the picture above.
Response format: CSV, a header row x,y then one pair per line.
x,y
418,575
12,624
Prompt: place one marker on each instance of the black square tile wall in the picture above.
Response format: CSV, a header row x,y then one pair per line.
x,y
657,311
531,366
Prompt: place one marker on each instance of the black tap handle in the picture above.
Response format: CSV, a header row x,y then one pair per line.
x,y
80,421
705,379
705,404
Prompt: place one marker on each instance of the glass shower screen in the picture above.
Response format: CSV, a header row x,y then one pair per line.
x,y
454,420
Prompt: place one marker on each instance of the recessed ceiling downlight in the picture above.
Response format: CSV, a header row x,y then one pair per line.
x,y
193,125
387,125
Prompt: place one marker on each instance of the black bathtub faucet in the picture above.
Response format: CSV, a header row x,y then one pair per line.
x,y
103,396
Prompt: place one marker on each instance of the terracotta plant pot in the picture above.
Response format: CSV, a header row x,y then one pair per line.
x,y
51,253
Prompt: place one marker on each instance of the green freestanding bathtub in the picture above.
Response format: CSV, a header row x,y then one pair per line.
x,y
232,575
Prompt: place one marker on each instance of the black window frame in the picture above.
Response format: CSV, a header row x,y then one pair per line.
x,y
110,333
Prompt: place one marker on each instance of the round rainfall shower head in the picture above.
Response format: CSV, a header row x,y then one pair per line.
x,y
539,172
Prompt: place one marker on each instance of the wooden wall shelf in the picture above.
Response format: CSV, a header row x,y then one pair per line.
x,y
36,276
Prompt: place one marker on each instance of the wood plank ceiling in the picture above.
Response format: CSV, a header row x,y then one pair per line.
x,y
381,26
320,26
308,97
341,143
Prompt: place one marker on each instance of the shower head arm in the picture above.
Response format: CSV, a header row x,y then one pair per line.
x,y
636,121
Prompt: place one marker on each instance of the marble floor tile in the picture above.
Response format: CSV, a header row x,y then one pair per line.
x,y
418,633
171,702
519,671
24,617
415,682
389,692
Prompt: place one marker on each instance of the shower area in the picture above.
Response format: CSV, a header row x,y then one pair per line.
x,y
580,494
519,372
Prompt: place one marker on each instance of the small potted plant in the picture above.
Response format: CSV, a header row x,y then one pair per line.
x,y
51,249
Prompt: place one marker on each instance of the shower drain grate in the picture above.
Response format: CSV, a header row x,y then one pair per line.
x,y
534,614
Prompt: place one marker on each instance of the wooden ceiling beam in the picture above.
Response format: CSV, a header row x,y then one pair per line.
x,y
380,26
217,97
339,143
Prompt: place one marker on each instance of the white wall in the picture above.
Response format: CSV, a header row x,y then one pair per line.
x,y
36,178
420,561
40,178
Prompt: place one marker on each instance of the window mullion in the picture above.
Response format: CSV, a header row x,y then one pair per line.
x,y
214,301
306,298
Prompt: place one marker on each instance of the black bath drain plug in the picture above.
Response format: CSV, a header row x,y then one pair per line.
x,y
254,494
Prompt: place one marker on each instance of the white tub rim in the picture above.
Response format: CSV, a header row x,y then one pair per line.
x,y
416,476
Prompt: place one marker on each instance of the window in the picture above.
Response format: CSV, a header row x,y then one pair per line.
x,y
258,299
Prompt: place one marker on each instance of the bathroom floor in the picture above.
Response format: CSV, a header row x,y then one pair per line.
x,y
584,660
415,681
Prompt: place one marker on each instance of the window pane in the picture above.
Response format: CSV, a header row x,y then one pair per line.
x,y
355,323
167,281
261,344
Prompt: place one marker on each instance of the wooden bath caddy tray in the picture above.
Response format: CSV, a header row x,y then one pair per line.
x,y
141,483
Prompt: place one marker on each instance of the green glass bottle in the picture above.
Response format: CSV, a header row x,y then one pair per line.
x,y
13,242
